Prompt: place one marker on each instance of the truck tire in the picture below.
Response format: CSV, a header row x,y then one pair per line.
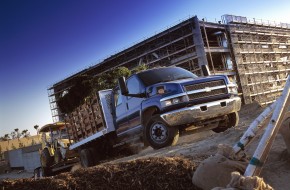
x,y
159,134
95,155
231,121
45,158
86,158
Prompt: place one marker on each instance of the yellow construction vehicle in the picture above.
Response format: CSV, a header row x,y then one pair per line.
x,y
54,153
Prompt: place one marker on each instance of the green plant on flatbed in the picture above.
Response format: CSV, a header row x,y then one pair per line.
x,y
85,86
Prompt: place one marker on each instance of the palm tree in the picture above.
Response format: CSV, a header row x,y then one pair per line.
x,y
6,137
17,132
36,128
25,133
13,135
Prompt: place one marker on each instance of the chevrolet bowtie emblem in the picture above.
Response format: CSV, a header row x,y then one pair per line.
x,y
207,89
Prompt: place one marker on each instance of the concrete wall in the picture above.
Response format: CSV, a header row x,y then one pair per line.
x,y
27,158
31,161
15,158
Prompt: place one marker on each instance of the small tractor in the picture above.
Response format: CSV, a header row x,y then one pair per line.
x,y
55,155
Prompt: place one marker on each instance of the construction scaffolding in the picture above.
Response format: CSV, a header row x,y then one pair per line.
x,y
261,50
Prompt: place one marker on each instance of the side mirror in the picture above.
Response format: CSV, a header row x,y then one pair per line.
x,y
122,86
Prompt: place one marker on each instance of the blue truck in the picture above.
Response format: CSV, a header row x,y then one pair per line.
x,y
153,107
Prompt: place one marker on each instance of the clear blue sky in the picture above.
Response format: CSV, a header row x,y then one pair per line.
x,y
44,41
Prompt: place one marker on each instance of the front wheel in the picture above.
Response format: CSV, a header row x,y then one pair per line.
x,y
232,120
45,158
159,134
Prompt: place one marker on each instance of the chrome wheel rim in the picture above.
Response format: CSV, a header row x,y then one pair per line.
x,y
158,132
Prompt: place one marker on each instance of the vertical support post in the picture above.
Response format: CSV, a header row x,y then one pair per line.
x,y
205,70
209,52
198,43
268,137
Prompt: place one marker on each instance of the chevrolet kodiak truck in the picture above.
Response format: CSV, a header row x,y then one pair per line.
x,y
152,107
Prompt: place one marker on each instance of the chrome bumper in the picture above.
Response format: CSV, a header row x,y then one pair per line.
x,y
200,112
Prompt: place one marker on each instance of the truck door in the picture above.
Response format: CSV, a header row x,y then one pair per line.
x,y
134,104
121,111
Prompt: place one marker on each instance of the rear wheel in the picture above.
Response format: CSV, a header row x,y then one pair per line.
x,y
159,134
95,155
86,158
232,120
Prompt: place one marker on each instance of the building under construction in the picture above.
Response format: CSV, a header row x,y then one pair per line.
x,y
253,53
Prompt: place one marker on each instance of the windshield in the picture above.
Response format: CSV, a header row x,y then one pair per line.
x,y
166,74
57,134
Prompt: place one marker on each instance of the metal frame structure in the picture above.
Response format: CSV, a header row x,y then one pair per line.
x,y
261,50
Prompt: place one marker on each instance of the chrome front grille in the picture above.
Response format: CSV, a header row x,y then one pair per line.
x,y
206,89
207,94
204,85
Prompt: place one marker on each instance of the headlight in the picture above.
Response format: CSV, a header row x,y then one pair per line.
x,y
167,103
174,100
232,88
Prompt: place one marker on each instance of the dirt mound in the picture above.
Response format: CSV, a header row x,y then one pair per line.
x,y
147,173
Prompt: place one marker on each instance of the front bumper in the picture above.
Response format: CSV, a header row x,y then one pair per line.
x,y
201,112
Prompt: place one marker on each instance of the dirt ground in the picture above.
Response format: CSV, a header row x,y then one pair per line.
x,y
194,148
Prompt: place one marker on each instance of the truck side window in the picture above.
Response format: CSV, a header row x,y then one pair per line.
x,y
133,85
118,98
